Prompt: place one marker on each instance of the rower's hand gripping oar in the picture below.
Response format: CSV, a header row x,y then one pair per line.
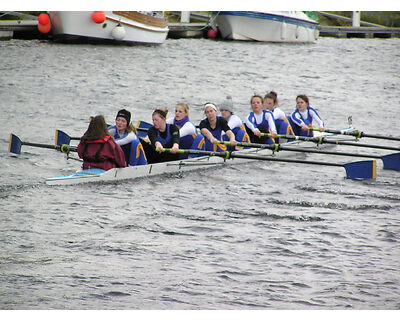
x,y
359,134
390,161
354,170
15,145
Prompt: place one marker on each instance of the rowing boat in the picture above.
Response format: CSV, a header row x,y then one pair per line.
x,y
118,174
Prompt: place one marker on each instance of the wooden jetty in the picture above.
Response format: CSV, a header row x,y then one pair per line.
x,y
8,28
358,32
359,29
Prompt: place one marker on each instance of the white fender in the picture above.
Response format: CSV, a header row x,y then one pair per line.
x,y
118,33
283,31
297,32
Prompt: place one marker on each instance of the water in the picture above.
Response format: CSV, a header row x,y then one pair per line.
x,y
252,236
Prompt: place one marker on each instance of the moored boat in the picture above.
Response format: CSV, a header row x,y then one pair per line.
x,y
106,26
272,26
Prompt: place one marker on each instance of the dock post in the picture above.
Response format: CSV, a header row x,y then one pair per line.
x,y
185,16
356,18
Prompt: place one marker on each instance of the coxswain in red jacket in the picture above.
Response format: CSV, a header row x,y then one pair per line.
x,y
103,153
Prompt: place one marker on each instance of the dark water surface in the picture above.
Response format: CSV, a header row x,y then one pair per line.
x,y
252,236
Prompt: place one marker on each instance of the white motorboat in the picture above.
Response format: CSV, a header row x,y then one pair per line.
x,y
106,26
273,26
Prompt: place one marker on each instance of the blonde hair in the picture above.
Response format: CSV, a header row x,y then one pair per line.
x,y
131,128
185,106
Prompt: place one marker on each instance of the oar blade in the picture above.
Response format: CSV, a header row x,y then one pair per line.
x,y
62,138
361,170
15,144
391,161
142,125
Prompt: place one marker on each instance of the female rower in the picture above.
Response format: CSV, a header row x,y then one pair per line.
x,y
212,127
260,121
162,135
304,116
124,134
281,122
189,137
234,122
98,149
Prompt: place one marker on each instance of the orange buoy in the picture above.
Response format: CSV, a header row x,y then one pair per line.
x,y
98,16
43,18
44,28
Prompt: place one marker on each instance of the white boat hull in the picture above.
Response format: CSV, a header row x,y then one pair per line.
x,y
118,174
263,26
79,26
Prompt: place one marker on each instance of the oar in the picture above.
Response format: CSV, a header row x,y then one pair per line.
x,y
15,145
354,170
63,138
359,134
142,127
320,140
390,161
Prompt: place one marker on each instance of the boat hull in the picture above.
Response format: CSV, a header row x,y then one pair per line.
x,y
263,26
134,27
191,164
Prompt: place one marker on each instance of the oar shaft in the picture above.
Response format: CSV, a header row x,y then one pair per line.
x,y
231,155
279,147
345,143
354,170
40,145
376,136
359,134
138,129
63,148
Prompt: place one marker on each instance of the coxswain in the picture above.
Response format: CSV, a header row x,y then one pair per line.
x,y
98,149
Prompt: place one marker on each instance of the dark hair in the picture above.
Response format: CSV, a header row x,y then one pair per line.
x,y
97,129
303,97
161,112
256,96
273,96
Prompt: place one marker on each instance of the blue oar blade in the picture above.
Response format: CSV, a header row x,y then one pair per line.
x,y
361,169
62,138
391,161
143,125
15,144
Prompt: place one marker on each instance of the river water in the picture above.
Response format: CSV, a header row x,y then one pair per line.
x,y
252,236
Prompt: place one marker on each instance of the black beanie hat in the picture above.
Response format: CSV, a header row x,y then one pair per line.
x,y
124,114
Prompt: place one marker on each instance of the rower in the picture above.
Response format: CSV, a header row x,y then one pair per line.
x,y
212,127
260,121
281,122
98,149
124,134
234,122
189,137
304,116
162,135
